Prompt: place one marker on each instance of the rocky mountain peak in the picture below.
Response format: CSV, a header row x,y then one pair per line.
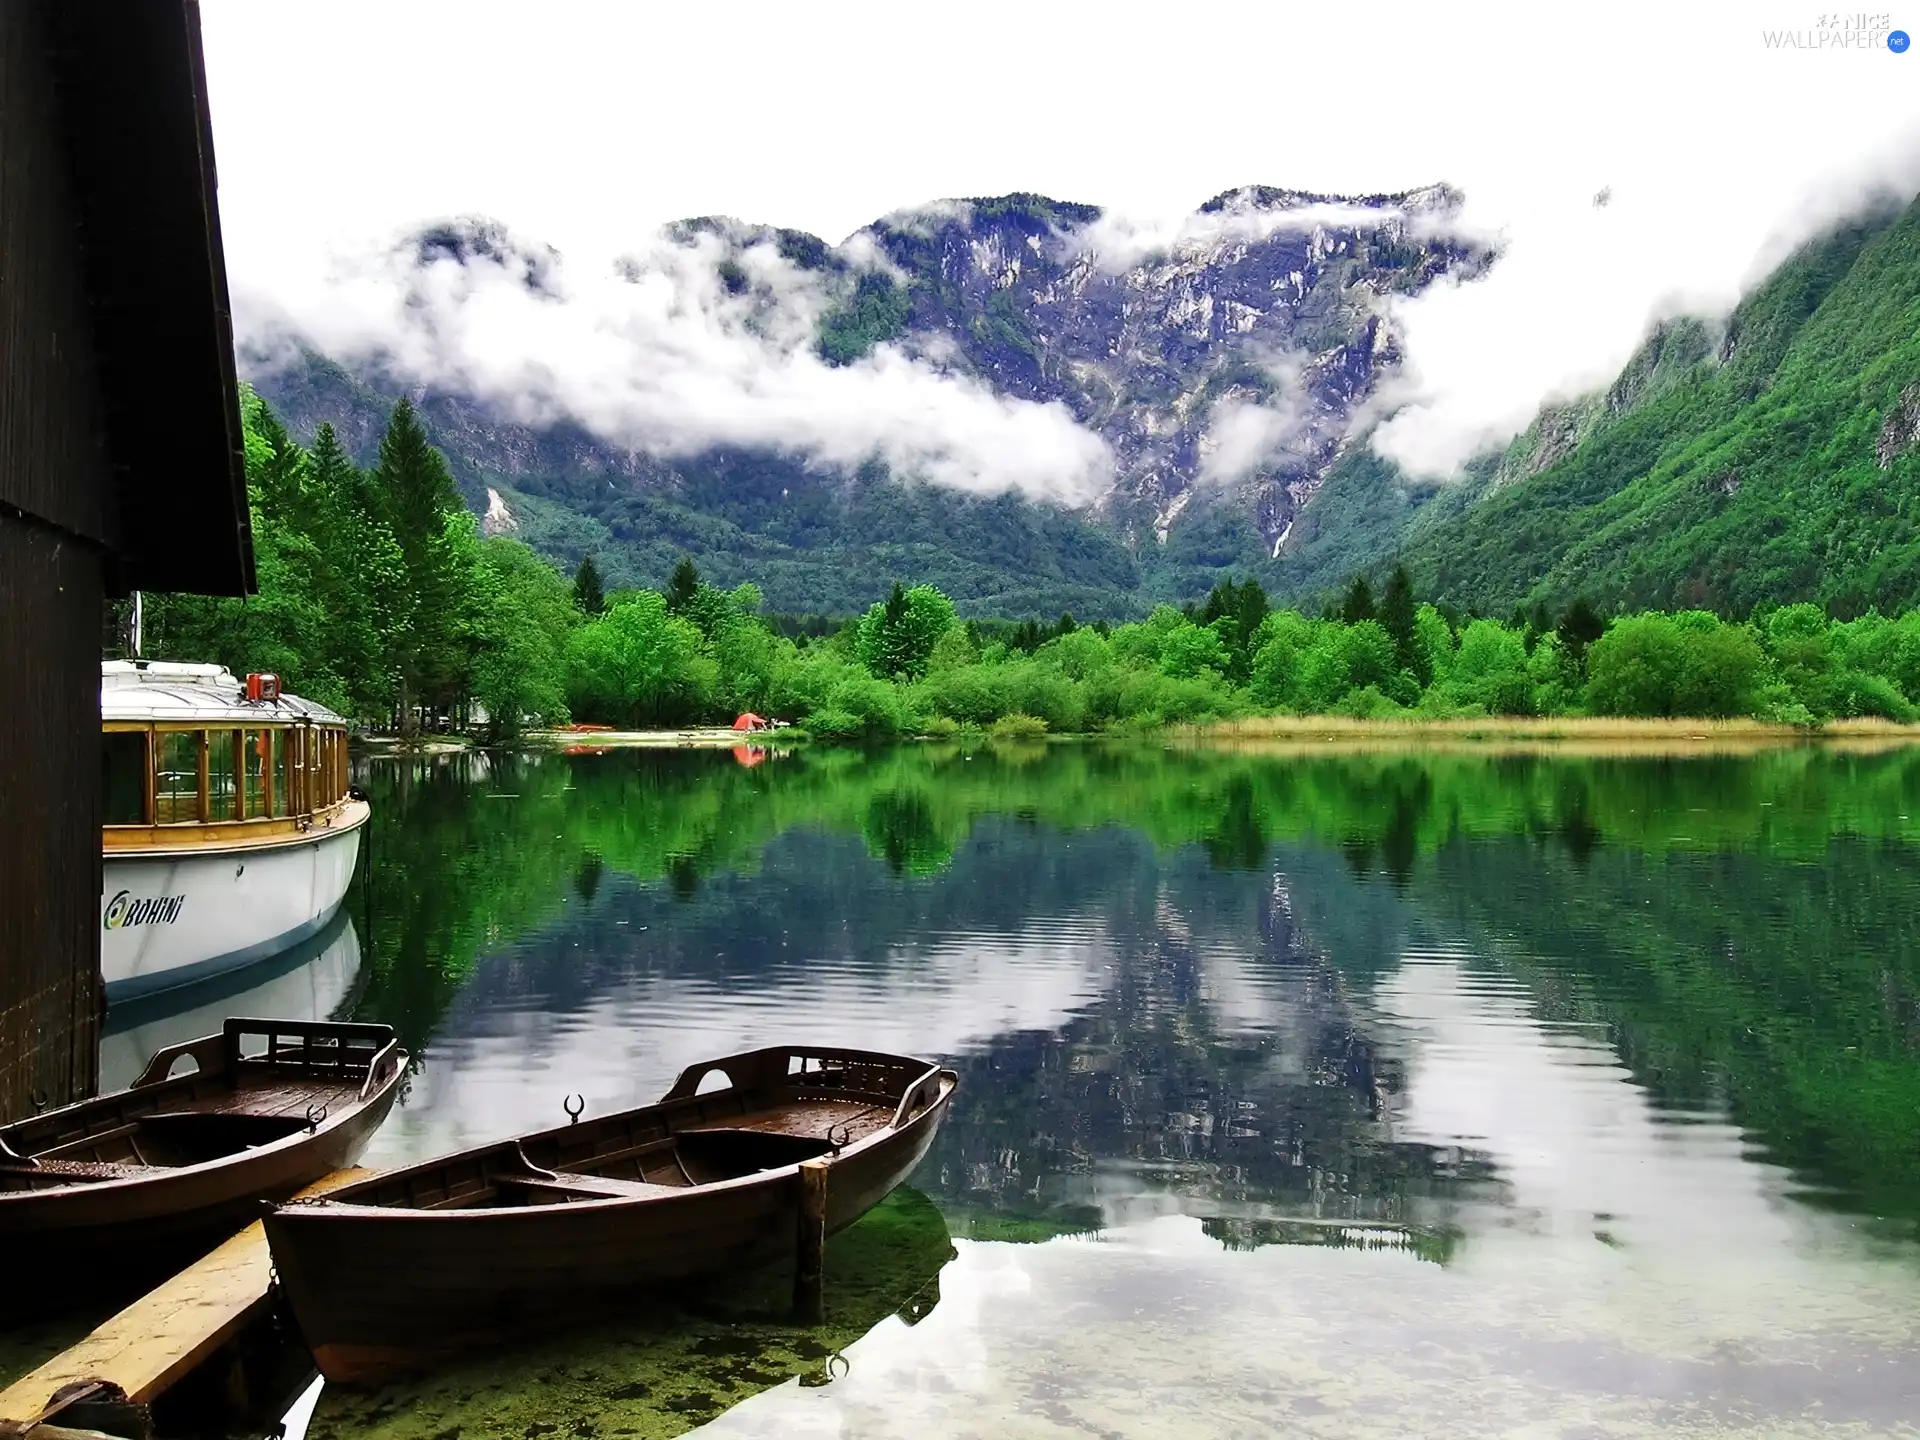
x,y
1228,357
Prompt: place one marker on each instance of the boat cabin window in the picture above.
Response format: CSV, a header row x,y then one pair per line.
x,y
187,777
282,767
124,777
256,759
336,766
223,779
176,777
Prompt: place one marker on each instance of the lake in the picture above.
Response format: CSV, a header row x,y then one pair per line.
x,y
1443,1093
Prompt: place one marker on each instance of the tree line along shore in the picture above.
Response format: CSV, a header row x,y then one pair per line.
x,y
380,597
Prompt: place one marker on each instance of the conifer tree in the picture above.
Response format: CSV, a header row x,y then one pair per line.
x,y
588,593
1397,617
683,585
277,468
367,572
1579,628
1358,604
420,497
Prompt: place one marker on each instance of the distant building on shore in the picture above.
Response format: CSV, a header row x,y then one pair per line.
x,y
121,465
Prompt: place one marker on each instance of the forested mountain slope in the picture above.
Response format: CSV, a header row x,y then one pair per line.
x,y
1766,459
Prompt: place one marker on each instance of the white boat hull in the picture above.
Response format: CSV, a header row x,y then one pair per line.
x,y
178,917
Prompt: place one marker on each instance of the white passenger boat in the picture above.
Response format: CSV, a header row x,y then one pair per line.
x,y
229,833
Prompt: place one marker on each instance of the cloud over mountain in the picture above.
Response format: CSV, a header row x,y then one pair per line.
x,y
704,336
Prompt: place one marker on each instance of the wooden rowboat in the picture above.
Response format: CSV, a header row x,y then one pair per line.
x,y
392,1272
178,1158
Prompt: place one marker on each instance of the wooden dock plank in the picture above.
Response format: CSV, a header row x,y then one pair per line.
x,y
160,1337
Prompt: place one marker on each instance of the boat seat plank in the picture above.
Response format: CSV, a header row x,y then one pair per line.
x,y
161,1336
628,1152
600,1187
83,1169
283,1097
810,1118
88,1142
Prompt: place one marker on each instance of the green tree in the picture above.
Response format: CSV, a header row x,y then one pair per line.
x,y
1689,664
1192,649
588,593
1579,628
369,574
1281,644
1490,670
525,617
1399,618
1235,611
1358,604
639,664
1342,660
1802,648
683,585
897,636
1435,639
420,496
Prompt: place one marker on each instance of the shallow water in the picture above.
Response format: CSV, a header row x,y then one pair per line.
x,y
1356,1095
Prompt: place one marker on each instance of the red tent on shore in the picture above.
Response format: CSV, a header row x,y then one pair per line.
x,y
750,721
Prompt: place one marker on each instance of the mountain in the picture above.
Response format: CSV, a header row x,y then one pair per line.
x,y
1224,367
1763,458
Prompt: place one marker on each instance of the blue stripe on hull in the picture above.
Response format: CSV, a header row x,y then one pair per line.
x,y
137,986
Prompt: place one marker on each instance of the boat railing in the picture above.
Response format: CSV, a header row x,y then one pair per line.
x,y
209,1054
921,1093
376,1065
815,1069
345,1051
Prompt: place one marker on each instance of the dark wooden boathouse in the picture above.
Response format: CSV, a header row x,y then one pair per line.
x,y
120,457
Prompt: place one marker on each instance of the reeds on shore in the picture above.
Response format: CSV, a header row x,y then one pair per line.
x,y
1575,734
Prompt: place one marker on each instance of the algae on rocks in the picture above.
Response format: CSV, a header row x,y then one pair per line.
x,y
674,1362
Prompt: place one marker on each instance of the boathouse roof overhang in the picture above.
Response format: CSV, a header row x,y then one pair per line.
x,y
132,102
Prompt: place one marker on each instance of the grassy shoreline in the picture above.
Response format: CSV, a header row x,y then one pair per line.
x,y
1570,734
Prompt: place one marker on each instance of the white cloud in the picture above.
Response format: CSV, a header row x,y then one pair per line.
x,y
656,352
925,219
1118,242
1240,438
1243,436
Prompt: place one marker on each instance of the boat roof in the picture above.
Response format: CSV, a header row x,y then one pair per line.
x,y
170,690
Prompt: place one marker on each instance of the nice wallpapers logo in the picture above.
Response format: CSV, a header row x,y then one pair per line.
x,y
1858,31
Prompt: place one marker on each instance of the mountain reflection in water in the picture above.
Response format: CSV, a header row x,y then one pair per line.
x,y
1518,1089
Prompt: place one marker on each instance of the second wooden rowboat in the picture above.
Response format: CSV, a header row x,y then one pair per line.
x,y
390,1273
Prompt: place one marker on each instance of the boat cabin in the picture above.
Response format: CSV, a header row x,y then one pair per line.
x,y
183,746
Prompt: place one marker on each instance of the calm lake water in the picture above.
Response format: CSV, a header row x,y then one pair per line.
x,y
1316,1095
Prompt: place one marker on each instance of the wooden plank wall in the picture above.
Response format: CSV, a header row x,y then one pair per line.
x,y
55,514
49,817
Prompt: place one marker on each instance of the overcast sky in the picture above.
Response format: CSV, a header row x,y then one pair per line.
x,y
586,125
